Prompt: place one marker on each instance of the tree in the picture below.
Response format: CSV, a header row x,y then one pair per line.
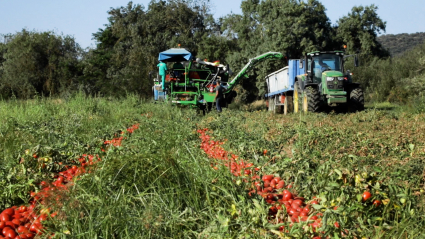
x,y
292,27
359,30
39,63
128,47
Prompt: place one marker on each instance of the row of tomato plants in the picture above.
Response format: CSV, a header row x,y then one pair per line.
x,y
27,221
286,207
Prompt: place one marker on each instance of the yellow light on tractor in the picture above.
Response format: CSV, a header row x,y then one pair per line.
x,y
345,46
179,45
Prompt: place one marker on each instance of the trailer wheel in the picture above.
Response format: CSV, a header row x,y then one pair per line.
x,y
356,102
288,105
277,108
296,98
311,100
269,103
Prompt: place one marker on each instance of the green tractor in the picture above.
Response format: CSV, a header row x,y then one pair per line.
x,y
326,83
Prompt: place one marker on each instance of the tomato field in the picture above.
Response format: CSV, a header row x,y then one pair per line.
x,y
98,168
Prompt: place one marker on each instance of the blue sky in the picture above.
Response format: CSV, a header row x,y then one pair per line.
x,y
81,18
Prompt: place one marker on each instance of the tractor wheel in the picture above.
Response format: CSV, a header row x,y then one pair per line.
x,y
356,101
289,105
296,98
311,100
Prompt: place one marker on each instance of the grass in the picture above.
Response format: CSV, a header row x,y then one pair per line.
x,y
159,184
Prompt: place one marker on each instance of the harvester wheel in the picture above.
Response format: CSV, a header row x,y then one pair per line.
x,y
289,105
311,100
356,102
296,98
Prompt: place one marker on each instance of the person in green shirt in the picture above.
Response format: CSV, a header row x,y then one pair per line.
x,y
162,72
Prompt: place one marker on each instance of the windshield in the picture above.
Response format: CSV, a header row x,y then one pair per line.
x,y
325,62
328,62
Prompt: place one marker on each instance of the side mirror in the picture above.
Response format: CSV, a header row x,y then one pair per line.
x,y
356,61
301,64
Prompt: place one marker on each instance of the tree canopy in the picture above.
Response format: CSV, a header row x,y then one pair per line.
x,y
127,46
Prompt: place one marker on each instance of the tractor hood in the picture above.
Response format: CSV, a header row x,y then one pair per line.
x,y
332,73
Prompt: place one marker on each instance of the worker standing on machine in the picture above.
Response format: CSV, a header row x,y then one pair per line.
x,y
162,72
218,95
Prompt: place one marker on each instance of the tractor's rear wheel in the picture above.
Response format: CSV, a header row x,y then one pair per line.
x,y
311,100
296,98
356,101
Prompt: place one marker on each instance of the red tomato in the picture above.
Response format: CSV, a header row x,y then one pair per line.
x,y
287,196
4,217
29,235
16,222
10,233
9,211
22,229
266,183
377,203
5,230
297,201
295,206
336,224
267,177
277,179
366,196
295,218
303,214
314,202
273,184
11,224
281,184
292,211
44,184
265,152
34,227
60,179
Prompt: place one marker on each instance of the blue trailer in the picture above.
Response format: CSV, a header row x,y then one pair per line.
x,y
280,87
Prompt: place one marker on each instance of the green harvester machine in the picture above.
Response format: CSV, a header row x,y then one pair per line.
x,y
191,82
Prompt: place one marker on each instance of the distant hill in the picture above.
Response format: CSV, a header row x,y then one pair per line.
x,y
399,43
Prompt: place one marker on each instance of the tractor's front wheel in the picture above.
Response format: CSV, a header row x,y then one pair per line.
x,y
356,101
311,100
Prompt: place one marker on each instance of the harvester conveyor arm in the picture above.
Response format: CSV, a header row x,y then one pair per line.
x,y
252,62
